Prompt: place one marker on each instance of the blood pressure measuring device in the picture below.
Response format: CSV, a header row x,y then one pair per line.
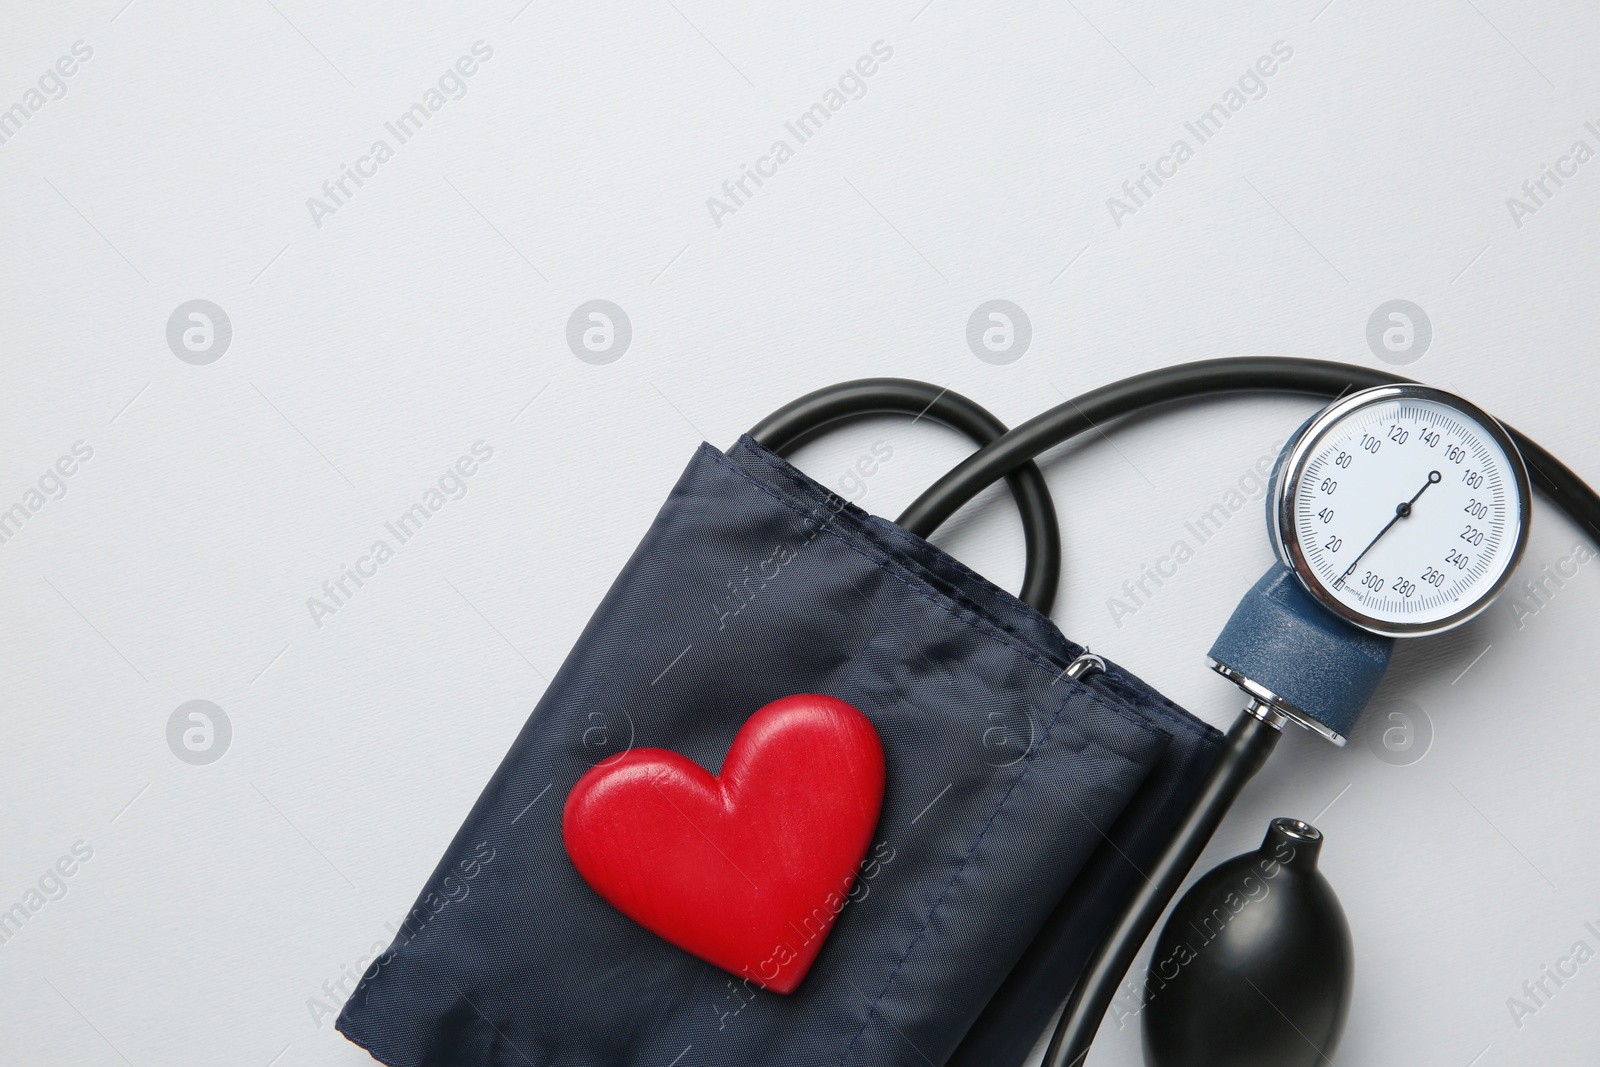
x,y
1398,511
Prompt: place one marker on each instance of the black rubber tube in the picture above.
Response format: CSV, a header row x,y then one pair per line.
x,y
797,422
1186,381
1244,750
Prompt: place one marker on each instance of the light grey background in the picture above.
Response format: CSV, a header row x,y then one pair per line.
x,y
430,310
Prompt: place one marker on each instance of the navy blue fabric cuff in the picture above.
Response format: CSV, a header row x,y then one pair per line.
x,y
1005,780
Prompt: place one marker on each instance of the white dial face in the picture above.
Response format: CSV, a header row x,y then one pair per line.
x,y
1407,514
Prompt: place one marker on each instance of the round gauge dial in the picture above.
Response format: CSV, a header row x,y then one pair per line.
x,y
1402,509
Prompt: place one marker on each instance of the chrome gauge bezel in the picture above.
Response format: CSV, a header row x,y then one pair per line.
x,y
1291,468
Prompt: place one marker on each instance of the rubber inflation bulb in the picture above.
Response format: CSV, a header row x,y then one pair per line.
x,y
1254,968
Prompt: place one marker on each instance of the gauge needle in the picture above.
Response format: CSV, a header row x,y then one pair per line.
x,y
1402,510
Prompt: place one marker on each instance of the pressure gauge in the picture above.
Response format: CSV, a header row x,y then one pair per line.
x,y
1402,509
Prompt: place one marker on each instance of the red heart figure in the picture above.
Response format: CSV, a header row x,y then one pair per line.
x,y
748,869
